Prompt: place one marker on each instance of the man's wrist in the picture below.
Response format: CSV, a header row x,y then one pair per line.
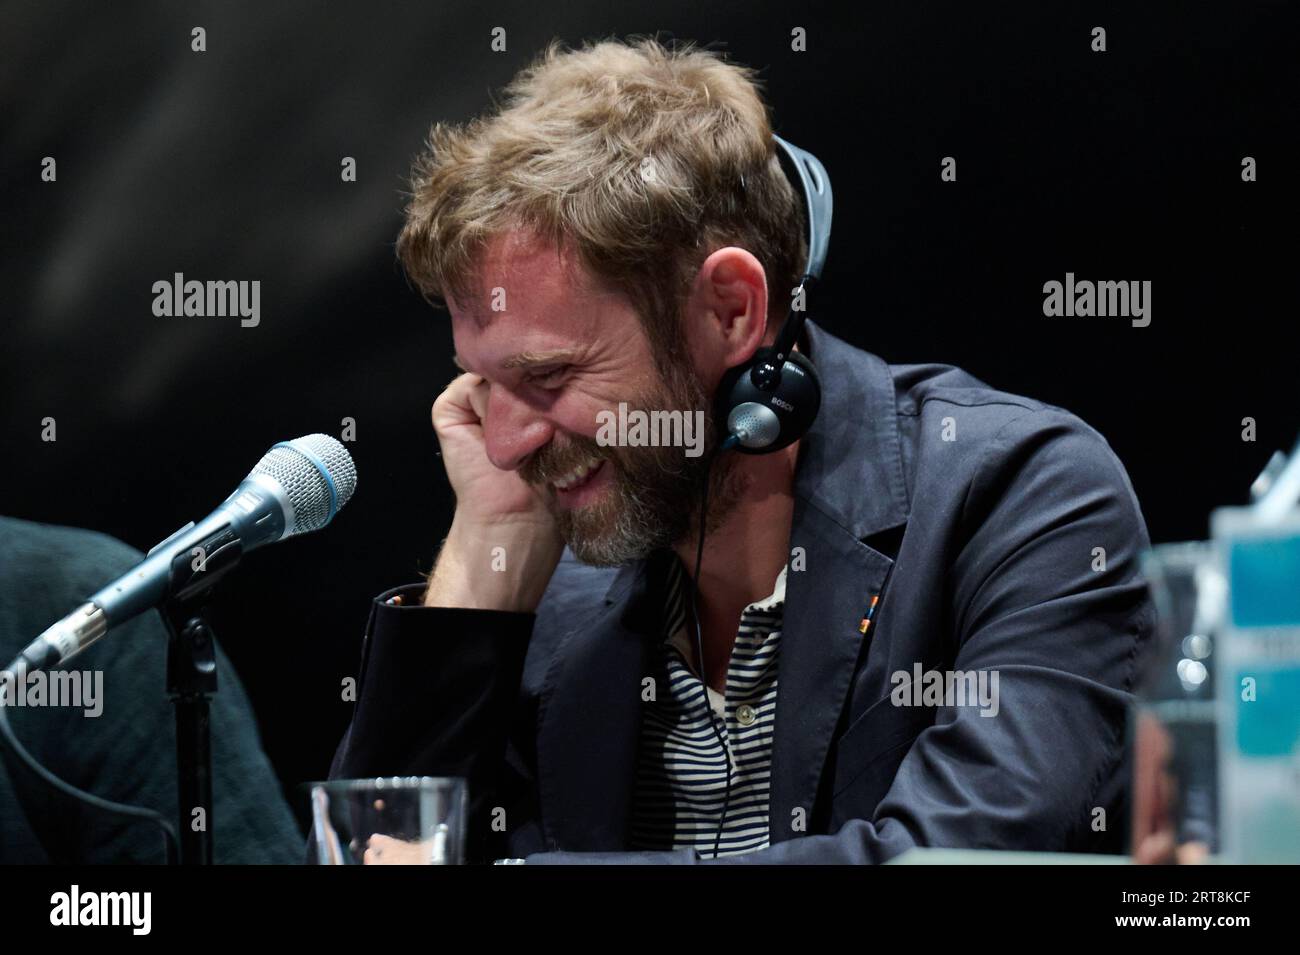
x,y
505,566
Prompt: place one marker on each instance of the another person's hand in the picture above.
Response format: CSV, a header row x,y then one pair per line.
x,y
1155,831
385,850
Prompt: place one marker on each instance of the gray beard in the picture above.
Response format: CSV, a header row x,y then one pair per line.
x,y
647,518
654,498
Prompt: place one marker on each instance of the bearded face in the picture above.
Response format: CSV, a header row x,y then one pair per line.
x,y
618,504
571,349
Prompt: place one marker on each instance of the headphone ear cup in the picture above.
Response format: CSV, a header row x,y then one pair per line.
x,y
769,420
802,389
727,398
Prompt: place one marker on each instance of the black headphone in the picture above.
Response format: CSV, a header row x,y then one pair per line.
x,y
770,401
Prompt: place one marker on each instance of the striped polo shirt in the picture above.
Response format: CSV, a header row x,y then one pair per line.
x,y
681,780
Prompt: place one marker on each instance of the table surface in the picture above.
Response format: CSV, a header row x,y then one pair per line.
x,y
994,857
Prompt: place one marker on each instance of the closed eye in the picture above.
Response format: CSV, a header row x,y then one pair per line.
x,y
550,377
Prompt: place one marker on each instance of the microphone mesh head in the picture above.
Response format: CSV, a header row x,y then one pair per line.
x,y
317,475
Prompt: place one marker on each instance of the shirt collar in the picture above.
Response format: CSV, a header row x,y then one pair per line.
x,y
678,596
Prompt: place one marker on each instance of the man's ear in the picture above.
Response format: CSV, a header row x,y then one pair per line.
x,y
726,312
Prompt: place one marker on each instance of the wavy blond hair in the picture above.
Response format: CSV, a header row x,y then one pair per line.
x,y
639,158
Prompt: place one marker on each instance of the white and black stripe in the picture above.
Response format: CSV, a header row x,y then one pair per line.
x,y
681,781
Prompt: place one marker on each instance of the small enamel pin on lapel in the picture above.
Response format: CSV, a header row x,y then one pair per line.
x,y
871,612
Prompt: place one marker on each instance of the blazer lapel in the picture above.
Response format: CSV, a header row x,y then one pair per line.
x,y
849,487
591,717
830,582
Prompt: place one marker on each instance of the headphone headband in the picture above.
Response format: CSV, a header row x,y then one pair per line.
x,y
818,201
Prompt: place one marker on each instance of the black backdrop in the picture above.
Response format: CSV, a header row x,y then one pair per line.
x,y
225,165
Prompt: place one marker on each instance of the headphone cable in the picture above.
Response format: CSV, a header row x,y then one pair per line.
x,y
730,442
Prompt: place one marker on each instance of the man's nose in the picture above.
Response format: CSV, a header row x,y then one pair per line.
x,y
512,429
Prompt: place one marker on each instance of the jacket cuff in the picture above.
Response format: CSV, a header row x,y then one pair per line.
x,y
433,681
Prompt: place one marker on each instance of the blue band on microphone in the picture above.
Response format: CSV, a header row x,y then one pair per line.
x,y
324,472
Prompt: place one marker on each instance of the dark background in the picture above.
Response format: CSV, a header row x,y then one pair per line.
x,y
225,165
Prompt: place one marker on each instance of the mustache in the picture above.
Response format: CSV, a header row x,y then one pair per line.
x,y
552,462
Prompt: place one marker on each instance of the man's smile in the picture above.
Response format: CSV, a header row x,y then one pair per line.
x,y
582,484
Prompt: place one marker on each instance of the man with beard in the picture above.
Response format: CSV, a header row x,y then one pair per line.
x,y
621,231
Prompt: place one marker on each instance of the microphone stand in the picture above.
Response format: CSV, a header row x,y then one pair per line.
x,y
191,682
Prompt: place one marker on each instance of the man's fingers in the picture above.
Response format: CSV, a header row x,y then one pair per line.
x,y
478,397
464,401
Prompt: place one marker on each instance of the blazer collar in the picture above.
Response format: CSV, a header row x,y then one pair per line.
x,y
851,463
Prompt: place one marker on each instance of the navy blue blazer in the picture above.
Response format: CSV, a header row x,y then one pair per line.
x,y
999,533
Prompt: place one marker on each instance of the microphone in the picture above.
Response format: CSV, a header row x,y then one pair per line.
x,y
297,487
